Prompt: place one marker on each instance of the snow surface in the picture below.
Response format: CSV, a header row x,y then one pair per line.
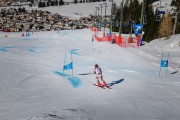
x,y
32,85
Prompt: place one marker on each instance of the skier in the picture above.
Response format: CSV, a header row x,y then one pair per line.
x,y
98,72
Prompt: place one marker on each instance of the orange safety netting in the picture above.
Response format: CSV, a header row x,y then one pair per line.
x,y
105,38
100,39
119,40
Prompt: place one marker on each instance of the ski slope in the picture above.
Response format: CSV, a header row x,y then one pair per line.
x,y
33,87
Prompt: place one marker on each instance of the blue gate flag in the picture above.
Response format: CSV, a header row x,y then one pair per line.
x,y
138,28
68,66
164,63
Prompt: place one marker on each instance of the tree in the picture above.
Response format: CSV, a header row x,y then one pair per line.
x,y
32,1
165,28
61,2
116,20
126,16
23,9
56,3
151,27
176,4
52,3
40,4
134,10
75,1
48,4
43,4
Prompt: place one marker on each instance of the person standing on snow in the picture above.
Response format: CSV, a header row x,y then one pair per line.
x,y
98,72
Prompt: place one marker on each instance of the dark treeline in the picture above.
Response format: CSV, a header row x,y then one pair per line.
x,y
61,2
152,26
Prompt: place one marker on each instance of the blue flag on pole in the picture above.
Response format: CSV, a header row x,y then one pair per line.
x,y
138,28
68,66
164,63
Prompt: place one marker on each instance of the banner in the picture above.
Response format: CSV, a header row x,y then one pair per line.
x,y
68,66
164,63
138,28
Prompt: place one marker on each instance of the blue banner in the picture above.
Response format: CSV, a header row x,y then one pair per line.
x,y
164,63
68,66
138,28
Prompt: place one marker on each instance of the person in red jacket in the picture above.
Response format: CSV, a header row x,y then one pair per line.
x,y
99,76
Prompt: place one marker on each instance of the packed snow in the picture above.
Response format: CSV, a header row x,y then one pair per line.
x,y
34,87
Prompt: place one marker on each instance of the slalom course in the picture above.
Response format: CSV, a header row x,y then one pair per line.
x,y
34,87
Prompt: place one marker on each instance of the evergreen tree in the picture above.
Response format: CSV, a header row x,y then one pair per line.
x,y
52,3
40,4
48,4
131,14
178,25
151,27
126,17
165,28
176,3
43,4
61,2
32,1
114,12
23,9
135,10
56,2
75,1
114,9
117,18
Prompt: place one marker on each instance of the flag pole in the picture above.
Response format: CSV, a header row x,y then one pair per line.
x,y
121,18
160,65
64,61
72,63
141,22
168,63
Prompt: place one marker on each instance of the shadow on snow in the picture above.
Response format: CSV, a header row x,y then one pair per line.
x,y
74,81
115,82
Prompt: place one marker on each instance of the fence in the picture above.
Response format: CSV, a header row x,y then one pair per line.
x,y
123,41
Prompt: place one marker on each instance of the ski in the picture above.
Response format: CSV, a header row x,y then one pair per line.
x,y
99,86
102,86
